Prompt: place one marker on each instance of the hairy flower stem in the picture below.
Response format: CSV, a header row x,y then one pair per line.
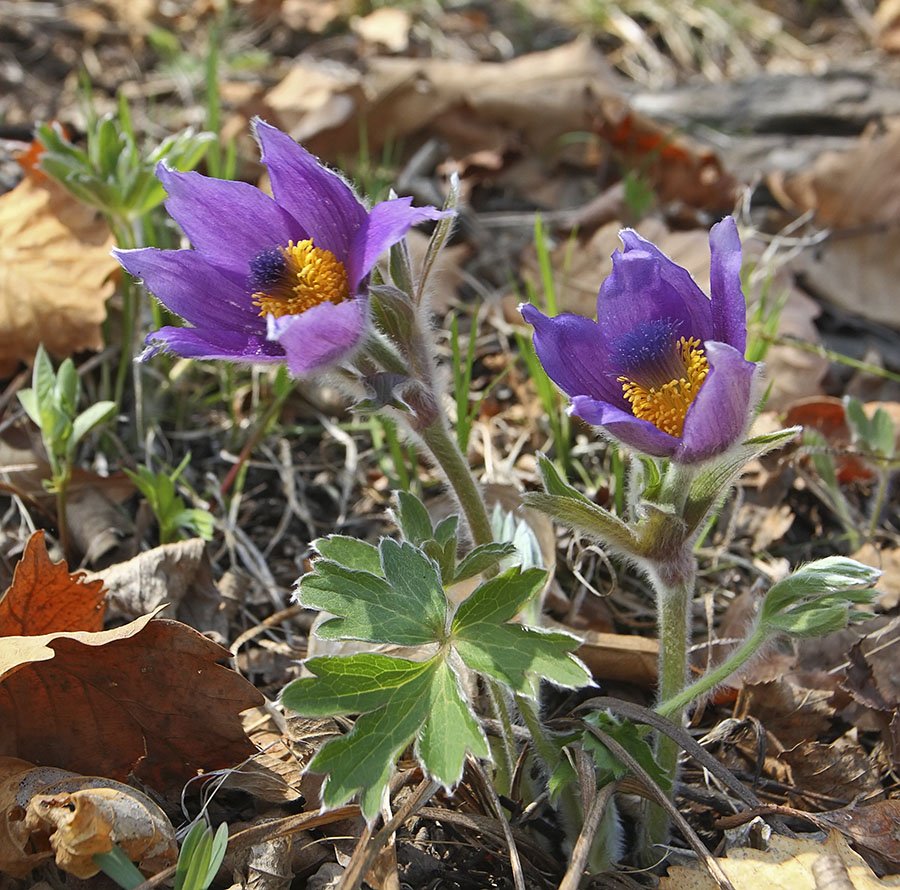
x,y
449,458
674,598
674,705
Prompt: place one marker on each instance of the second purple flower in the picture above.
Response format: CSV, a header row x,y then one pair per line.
x,y
270,279
662,369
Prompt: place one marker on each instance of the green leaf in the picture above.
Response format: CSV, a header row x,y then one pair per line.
x,y
587,518
416,579
394,313
499,599
189,847
446,530
860,427
350,552
884,437
521,656
88,419
816,597
372,608
396,695
450,730
632,739
714,480
554,482
67,388
28,400
413,518
116,864
482,558
350,685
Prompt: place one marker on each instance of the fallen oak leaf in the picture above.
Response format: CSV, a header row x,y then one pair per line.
x,y
54,273
788,864
150,697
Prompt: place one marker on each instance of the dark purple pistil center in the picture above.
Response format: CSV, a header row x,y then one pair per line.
x,y
266,270
648,354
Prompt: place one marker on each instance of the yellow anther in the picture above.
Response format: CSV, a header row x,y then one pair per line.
x,y
311,276
666,406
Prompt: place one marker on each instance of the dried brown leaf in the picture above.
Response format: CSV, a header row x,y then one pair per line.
x,y
150,697
54,273
86,815
44,598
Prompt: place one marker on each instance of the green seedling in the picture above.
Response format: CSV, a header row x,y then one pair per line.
x,y
171,512
52,403
202,852
876,437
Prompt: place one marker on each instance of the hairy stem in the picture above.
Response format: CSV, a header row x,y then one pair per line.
x,y
670,707
450,459
675,593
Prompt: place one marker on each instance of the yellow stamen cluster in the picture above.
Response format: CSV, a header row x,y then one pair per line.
x,y
311,276
666,406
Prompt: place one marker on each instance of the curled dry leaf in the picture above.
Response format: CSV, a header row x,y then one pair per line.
x,y
54,270
86,815
47,811
153,697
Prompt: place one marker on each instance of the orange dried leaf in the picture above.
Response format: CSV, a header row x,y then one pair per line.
x,y
153,697
45,598
54,273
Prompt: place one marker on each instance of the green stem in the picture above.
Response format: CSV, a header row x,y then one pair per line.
x,y
449,458
61,486
675,593
505,771
672,706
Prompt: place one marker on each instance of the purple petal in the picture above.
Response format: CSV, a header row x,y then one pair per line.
x,y
572,350
321,202
322,336
625,427
187,285
192,343
729,308
387,223
228,222
645,285
721,412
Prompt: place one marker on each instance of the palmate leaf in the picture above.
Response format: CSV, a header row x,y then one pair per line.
x,y
405,604
402,701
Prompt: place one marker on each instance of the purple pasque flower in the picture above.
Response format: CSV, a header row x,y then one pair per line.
x,y
270,279
662,369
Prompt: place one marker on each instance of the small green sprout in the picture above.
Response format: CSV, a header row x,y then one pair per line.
x,y
170,510
52,403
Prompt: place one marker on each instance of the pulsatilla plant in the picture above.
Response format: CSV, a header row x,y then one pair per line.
x,y
296,280
662,371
